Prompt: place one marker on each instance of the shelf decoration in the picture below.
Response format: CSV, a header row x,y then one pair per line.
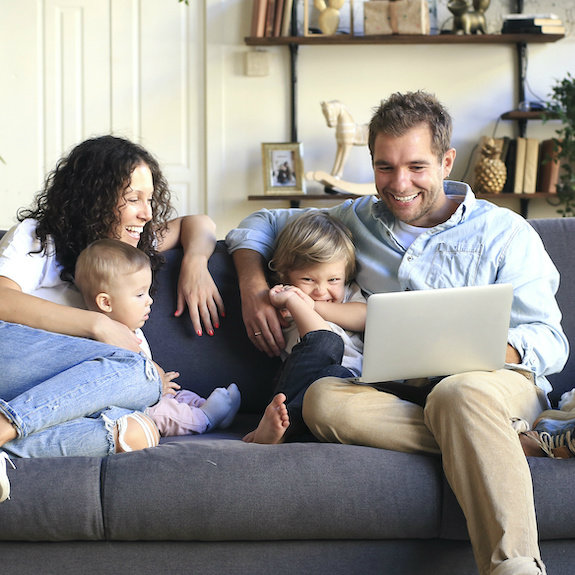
x,y
347,132
328,16
467,21
490,172
384,17
283,168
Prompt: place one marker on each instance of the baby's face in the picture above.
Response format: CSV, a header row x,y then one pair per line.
x,y
321,282
130,298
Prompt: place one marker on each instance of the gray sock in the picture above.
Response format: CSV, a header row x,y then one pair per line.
x,y
217,406
235,399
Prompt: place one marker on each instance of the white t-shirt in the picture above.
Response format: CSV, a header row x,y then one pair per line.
x,y
37,273
352,340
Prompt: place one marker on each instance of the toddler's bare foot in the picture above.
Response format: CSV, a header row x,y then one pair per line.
x,y
273,424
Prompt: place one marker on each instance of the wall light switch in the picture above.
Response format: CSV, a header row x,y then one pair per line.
x,y
257,63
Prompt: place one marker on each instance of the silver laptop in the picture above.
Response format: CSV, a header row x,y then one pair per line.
x,y
435,332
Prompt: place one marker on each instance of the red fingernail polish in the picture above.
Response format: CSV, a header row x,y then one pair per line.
x,y
217,325
210,332
199,332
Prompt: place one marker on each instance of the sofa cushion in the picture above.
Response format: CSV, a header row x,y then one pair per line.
x,y
54,499
212,490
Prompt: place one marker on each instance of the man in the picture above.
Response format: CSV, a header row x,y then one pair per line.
x,y
422,233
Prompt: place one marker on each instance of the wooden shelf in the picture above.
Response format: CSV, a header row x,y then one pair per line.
x,y
341,196
348,40
532,115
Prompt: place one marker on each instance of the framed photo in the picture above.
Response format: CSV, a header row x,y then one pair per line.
x,y
283,168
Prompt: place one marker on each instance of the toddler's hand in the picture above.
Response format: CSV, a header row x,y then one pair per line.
x,y
169,386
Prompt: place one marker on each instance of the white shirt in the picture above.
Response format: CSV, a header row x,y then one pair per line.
x,y
37,273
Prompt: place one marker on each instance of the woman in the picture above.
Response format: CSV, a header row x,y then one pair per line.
x,y
73,381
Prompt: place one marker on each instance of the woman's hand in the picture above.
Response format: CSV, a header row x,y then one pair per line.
x,y
114,333
197,290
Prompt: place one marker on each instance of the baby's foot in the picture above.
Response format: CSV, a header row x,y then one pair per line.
x,y
217,406
235,400
273,425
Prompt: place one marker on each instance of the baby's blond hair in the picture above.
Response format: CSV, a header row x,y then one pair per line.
x,y
102,263
312,238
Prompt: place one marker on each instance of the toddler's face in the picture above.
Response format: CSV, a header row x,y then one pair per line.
x,y
322,282
130,298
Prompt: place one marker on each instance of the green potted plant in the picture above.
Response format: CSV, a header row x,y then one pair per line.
x,y
561,106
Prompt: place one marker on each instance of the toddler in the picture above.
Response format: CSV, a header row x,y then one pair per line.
x,y
314,261
114,279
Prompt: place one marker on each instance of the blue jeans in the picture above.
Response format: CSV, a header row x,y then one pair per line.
x,y
63,394
318,354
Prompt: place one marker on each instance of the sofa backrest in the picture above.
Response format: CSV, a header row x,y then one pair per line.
x,y
208,362
557,235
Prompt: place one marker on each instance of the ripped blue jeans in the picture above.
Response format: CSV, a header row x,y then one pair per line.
x,y
63,394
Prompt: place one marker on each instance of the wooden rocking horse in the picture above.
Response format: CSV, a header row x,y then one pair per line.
x,y
347,133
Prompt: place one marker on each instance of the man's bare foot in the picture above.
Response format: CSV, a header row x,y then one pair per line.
x,y
273,424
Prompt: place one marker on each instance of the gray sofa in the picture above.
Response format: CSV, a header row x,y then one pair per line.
x,y
211,504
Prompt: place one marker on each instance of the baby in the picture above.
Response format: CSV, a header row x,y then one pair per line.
x,y
114,279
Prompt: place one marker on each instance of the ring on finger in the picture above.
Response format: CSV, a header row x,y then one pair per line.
x,y
256,333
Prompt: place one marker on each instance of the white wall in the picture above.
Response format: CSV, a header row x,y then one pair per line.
x,y
79,68
173,78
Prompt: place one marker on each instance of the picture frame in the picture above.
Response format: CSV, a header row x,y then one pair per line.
x,y
283,168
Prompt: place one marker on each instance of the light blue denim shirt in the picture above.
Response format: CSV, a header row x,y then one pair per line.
x,y
479,244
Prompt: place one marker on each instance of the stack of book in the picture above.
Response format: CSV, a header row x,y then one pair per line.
x,y
271,18
532,165
532,24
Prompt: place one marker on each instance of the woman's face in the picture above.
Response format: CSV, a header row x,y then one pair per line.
x,y
135,206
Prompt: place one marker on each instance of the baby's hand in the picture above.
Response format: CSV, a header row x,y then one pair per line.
x,y
169,386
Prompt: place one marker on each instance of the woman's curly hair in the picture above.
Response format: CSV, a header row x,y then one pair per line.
x,y
80,200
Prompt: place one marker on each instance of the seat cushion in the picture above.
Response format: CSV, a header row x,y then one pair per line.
x,y
214,490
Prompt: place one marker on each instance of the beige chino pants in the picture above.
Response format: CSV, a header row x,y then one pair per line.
x,y
466,419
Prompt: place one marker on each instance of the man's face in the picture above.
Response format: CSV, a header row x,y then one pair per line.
x,y
409,177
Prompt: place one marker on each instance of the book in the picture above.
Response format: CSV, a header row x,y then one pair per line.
x,y
510,165
259,18
532,21
548,167
531,16
278,17
270,17
533,29
531,166
520,149
287,20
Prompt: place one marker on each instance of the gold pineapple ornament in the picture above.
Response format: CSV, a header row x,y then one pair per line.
x,y
490,172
